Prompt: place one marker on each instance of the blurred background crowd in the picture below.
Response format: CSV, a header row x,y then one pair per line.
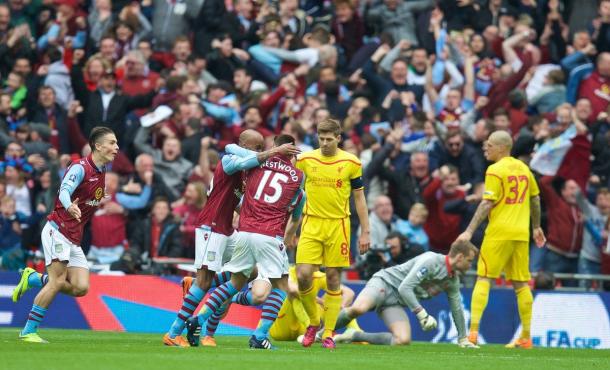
x,y
418,87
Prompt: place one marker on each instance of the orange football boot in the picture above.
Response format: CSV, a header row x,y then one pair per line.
x,y
186,282
179,341
521,343
208,341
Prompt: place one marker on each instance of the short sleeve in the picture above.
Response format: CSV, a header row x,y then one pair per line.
x,y
356,176
534,189
493,187
300,164
356,170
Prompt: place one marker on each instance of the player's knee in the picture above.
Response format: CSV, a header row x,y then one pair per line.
x,y
258,298
203,282
304,279
81,290
333,278
401,340
355,311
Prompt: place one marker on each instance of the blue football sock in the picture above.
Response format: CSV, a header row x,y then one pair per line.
x,y
220,278
222,294
214,320
36,315
271,308
34,280
243,298
189,305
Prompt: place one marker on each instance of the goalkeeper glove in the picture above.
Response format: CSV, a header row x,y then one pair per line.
x,y
465,343
426,321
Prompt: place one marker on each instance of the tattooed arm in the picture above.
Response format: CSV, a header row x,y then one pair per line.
x,y
538,233
481,214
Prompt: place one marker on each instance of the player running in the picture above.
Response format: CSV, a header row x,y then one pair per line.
x,y
391,289
215,238
80,194
511,194
331,176
273,196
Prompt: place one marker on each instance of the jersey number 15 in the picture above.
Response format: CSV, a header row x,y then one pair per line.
x,y
275,184
517,189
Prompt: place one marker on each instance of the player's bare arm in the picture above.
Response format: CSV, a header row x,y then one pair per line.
x,y
481,214
290,235
535,211
364,242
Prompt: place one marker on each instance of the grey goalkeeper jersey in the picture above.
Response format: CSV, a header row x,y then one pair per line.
x,y
424,277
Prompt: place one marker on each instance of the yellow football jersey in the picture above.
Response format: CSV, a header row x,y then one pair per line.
x,y
329,182
509,183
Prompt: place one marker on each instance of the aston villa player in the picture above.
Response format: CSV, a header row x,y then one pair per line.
x,y
80,194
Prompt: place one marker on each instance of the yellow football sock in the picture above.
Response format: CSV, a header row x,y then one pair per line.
x,y
524,303
354,325
308,299
299,312
332,307
480,295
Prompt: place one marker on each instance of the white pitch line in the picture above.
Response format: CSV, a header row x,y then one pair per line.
x,y
6,290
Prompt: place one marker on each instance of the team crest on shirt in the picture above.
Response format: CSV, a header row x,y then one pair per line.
x,y
99,193
205,237
211,256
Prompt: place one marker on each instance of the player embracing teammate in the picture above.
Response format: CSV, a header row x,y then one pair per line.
x,y
272,204
215,237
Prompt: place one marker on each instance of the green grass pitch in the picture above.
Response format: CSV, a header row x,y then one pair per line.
x,y
89,350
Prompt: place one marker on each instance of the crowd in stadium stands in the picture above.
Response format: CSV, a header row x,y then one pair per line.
x,y
418,87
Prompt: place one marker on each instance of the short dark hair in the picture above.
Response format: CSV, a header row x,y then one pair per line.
x,y
330,125
284,139
96,134
402,238
500,112
175,83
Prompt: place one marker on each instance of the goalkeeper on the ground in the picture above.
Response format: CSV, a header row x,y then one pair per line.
x,y
392,289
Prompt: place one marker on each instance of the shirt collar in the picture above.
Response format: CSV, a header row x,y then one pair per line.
x,y
90,160
450,271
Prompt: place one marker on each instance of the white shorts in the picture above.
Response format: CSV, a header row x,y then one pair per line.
x,y
258,278
57,247
265,252
212,250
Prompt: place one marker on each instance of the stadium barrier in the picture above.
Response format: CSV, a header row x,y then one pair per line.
x,y
149,304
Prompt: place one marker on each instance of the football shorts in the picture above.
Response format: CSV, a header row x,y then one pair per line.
x,y
510,256
267,253
324,242
212,249
57,247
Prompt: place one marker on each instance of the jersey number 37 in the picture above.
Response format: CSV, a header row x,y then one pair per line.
x,y
517,189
